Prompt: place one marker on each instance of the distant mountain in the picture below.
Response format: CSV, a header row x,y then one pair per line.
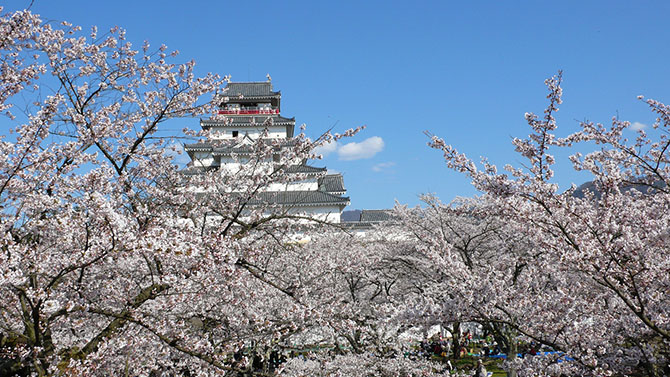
x,y
584,187
353,215
592,187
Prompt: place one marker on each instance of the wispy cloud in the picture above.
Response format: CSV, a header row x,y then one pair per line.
x,y
637,126
357,151
383,166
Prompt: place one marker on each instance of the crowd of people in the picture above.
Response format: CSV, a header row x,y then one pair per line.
x,y
442,347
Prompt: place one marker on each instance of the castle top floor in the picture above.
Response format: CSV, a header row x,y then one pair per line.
x,y
249,98
249,109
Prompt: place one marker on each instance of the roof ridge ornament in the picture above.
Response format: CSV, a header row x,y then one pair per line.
x,y
269,77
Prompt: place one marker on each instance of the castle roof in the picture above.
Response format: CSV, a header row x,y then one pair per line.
x,y
249,90
291,169
233,146
369,218
332,183
376,215
304,169
301,198
247,121
293,198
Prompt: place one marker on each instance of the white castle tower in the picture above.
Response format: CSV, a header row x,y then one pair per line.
x,y
249,111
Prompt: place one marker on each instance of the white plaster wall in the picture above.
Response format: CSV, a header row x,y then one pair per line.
x,y
226,133
310,184
383,232
322,213
203,159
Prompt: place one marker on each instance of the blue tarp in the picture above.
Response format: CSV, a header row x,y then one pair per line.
x,y
561,359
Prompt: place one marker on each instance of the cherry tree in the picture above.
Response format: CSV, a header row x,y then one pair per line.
x,y
592,281
363,365
468,263
112,263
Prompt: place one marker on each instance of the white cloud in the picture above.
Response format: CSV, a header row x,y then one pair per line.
x,y
326,149
382,166
357,151
637,126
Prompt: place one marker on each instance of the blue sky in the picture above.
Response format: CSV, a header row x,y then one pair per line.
x,y
465,71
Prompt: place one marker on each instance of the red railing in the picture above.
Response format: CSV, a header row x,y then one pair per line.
x,y
250,111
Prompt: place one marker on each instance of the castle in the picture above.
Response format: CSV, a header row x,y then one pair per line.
x,y
250,111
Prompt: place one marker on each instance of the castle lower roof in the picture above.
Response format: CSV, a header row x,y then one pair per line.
x,y
233,146
304,169
247,121
294,199
332,183
292,169
377,215
300,198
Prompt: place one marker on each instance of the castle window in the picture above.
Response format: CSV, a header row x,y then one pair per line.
x,y
236,133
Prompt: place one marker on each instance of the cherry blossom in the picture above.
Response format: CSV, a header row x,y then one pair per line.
x,y
588,273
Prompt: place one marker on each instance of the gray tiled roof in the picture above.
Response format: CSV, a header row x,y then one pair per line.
x,y
193,170
304,169
246,120
231,145
250,89
373,215
198,147
294,198
243,149
293,169
289,198
332,183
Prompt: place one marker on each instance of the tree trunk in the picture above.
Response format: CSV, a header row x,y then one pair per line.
x,y
456,339
511,353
